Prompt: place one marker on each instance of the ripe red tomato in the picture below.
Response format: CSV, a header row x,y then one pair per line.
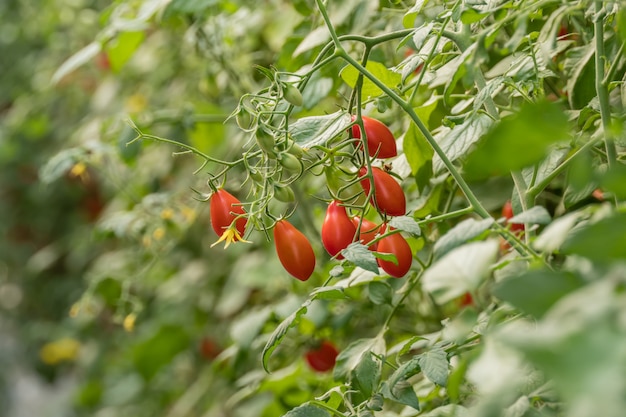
x,y
507,213
397,245
380,140
209,349
368,231
338,231
323,358
389,195
294,250
466,300
224,209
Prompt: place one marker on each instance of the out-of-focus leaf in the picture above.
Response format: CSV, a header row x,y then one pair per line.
x,y
391,79
463,232
318,130
457,142
280,332
602,241
79,58
535,215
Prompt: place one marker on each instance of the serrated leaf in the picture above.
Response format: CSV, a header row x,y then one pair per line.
x,y
602,241
404,372
580,81
367,375
318,130
391,79
461,270
421,34
434,364
349,358
307,410
406,347
535,215
280,332
556,232
403,393
379,292
406,224
361,256
458,141
518,141
463,232
329,293
76,60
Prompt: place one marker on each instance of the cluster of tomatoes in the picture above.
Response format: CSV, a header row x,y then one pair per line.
x,y
339,229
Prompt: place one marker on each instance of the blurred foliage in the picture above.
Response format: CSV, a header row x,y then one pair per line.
x,y
108,277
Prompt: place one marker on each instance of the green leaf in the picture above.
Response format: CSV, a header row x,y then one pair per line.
x,y
60,164
434,364
621,24
361,256
247,327
556,232
316,37
122,48
280,332
404,372
367,375
458,141
463,232
406,224
535,215
349,358
329,293
419,153
581,76
379,292
534,292
602,241
409,17
461,270
402,393
391,79
79,58
307,410
318,130
158,351
613,181
448,410
518,141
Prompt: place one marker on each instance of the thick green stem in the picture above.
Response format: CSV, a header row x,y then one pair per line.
x,y
601,86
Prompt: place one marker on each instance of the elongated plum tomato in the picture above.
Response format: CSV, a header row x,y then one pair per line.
x,y
225,207
389,195
507,213
397,245
368,231
337,230
294,250
380,140
323,358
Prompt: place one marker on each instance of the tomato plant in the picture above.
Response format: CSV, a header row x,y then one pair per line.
x,y
323,357
388,196
380,140
395,244
338,231
294,250
367,232
507,213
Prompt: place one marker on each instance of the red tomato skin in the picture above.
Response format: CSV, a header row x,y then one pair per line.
x,y
397,245
323,358
380,141
224,208
294,250
209,349
507,213
466,300
390,198
338,231
368,231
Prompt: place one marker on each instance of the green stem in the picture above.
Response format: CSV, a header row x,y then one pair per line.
x,y
326,407
601,87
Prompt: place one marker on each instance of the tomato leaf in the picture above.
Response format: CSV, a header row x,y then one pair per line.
x,y
518,141
590,240
280,332
318,130
406,224
556,232
534,292
361,256
79,58
402,393
461,270
329,293
307,410
458,141
366,375
535,215
391,79
379,292
463,232
434,364
349,358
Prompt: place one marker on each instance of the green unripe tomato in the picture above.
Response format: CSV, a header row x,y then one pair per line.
x,y
266,141
290,162
294,149
244,119
255,175
284,193
292,94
